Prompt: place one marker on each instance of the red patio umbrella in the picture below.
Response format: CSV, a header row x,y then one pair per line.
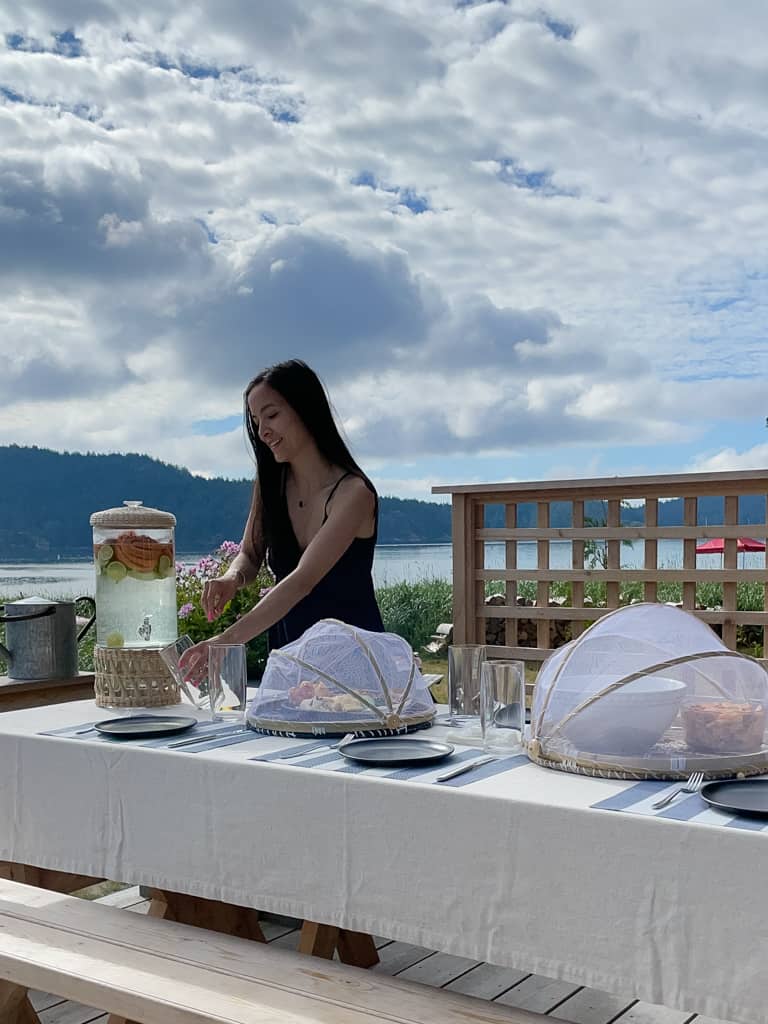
x,y
716,546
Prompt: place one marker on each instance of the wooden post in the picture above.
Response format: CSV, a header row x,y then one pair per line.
x,y
510,562
690,518
651,554
730,561
462,580
477,547
543,625
577,563
613,552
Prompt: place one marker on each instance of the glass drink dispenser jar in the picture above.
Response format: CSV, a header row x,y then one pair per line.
x,y
133,552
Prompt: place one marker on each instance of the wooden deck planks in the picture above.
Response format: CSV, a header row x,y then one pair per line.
x,y
487,981
589,1006
538,994
560,1000
71,1013
438,969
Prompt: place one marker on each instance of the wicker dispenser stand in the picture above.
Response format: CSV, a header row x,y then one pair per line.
x,y
133,678
135,606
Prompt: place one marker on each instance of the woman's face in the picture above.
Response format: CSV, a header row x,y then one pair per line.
x,y
277,424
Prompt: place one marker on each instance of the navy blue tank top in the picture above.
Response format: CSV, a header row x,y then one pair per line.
x,y
345,592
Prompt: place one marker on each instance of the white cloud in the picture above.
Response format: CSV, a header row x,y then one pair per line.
x,y
730,460
493,228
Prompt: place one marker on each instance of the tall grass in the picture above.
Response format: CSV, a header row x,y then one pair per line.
x,y
415,610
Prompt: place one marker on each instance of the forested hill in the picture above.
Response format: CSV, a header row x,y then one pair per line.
x,y
47,497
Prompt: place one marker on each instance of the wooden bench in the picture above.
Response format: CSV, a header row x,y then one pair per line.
x,y
152,971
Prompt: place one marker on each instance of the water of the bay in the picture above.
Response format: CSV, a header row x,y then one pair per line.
x,y
392,564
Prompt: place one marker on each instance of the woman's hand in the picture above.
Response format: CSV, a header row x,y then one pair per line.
x,y
216,593
193,664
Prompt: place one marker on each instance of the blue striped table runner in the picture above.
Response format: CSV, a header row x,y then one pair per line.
x,y
327,759
638,797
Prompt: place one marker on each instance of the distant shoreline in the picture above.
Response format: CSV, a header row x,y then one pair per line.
x,y
34,558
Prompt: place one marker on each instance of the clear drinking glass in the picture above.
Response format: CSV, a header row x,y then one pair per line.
x,y
464,662
502,705
190,694
227,681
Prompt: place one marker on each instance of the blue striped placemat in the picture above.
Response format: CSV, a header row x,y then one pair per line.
x,y
638,798
232,734
331,760
326,758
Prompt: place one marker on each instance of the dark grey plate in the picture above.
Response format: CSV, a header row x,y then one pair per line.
x,y
395,750
145,726
747,796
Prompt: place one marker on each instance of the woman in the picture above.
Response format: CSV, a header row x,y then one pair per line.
x,y
314,516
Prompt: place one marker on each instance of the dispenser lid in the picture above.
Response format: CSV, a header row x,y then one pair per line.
x,y
134,514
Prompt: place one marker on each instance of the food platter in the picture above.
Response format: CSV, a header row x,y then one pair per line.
x,y
282,717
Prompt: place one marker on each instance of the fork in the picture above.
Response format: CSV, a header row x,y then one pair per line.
x,y
693,785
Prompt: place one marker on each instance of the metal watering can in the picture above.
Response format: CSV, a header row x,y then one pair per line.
x,y
41,638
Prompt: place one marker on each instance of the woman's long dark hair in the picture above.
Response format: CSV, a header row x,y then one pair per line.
x,y
302,389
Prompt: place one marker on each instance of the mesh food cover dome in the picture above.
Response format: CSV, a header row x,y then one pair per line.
x,y
337,679
650,691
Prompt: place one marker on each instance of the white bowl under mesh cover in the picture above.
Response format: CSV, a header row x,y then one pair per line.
x,y
337,679
650,691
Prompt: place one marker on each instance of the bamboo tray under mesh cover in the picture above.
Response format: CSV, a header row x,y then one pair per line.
x,y
650,692
337,679
128,678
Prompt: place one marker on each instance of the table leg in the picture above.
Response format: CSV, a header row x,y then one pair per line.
x,y
45,878
15,1007
354,948
318,939
194,910
357,949
218,917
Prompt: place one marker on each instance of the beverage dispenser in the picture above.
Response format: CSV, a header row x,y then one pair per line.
x,y
134,561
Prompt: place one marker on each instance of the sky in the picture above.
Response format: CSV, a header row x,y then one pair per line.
x,y
517,240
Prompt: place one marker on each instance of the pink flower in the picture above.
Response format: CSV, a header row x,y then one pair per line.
x,y
264,591
186,610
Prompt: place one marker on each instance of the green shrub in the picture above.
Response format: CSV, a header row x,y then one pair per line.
x,y
192,619
415,610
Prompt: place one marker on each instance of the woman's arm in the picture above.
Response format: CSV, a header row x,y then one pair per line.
x,y
245,566
353,506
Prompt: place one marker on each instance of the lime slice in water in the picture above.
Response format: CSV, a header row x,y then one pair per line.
x,y
135,574
106,551
165,567
116,571
115,640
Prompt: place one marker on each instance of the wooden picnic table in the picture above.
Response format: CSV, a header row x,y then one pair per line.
x,y
512,864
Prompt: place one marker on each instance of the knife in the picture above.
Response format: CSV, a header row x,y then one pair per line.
x,y
318,746
465,768
204,738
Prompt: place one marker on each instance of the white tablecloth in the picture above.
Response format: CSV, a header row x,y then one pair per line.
x,y
515,867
